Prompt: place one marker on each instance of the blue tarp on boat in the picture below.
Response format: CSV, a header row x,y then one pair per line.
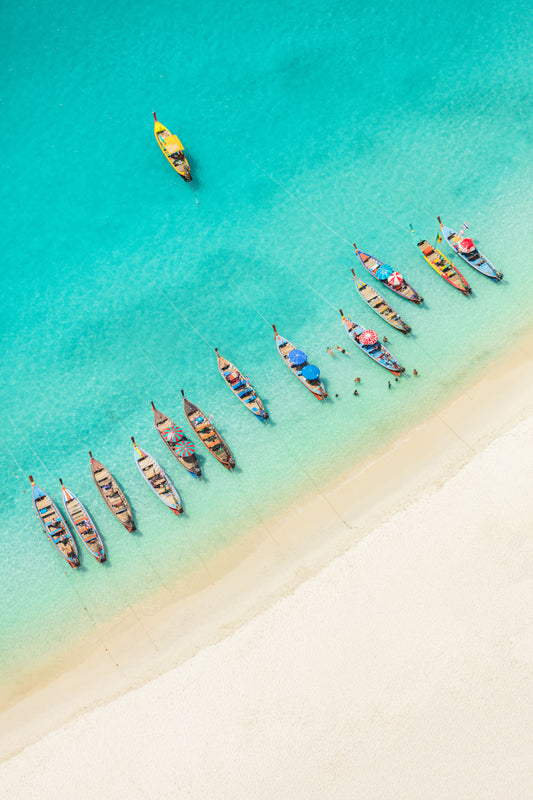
x,y
383,272
310,372
297,357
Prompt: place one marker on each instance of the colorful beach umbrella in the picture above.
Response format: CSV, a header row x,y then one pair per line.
x,y
467,245
185,449
297,357
383,272
368,337
172,434
310,372
396,279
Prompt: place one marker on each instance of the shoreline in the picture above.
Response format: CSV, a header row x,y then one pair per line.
x,y
274,558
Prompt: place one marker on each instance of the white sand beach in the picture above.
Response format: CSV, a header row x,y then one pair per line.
x,y
373,643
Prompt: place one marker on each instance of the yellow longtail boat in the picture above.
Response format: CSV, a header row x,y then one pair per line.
x,y
173,150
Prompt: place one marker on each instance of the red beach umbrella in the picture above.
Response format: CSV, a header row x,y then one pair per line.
x,y
467,245
368,337
396,279
172,434
185,449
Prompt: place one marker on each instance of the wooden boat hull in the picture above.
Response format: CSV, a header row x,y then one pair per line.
x,y
476,260
379,305
173,150
112,494
443,266
162,423
377,352
54,525
208,434
284,347
83,524
241,387
372,264
157,479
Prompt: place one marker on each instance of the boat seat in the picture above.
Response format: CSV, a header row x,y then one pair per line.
x,y
250,399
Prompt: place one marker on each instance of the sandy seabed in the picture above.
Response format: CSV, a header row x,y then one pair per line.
x,y
354,652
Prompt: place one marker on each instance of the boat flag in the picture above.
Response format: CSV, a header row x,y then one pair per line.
x,y
439,238
464,227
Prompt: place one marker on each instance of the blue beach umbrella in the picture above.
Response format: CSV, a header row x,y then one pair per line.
x,y
310,372
297,357
383,272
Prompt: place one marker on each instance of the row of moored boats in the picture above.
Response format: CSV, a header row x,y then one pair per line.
x,y
53,522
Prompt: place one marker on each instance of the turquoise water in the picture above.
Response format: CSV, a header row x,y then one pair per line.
x,y
372,117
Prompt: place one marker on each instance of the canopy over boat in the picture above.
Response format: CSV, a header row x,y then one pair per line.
x,y
172,149
465,247
286,349
368,342
297,357
396,279
173,437
310,372
368,337
384,272
442,265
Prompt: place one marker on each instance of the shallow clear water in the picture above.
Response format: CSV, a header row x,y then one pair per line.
x,y
372,117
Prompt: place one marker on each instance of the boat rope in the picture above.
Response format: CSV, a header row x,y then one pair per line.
x,y
135,389
175,307
195,196
31,448
67,427
12,455
248,299
335,308
316,216
403,228
147,357
294,197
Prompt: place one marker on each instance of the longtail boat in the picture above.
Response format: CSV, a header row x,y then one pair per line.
x,y
112,494
207,433
176,441
54,525
368,342
377,303
442,265
468,251
393,280
83,524
157,479
172,149
241,387
296,361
